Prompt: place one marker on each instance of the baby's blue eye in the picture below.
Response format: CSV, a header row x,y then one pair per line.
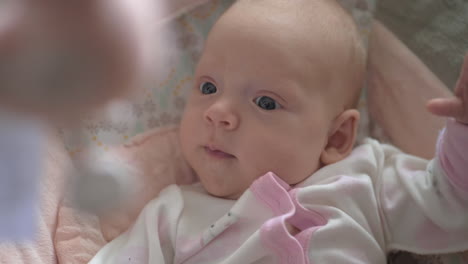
x,y
208,88
266,103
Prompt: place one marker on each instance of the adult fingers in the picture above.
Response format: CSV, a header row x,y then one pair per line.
x,y
448,107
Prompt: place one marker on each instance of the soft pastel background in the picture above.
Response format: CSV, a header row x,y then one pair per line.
x,y
435,30
438,34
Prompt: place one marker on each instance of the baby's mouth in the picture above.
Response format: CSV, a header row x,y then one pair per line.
x,y
216,153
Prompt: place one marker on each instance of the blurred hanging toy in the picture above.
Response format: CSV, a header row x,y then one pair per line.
x,y
60,60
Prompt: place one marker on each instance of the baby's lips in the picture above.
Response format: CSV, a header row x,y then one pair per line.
x,y
218,152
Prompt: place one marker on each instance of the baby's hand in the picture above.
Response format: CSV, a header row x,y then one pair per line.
x,y
456,107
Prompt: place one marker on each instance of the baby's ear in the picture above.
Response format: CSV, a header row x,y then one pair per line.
x,y
341,137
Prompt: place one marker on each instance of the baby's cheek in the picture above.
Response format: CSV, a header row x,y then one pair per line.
x,y
186,135
298,166
290,167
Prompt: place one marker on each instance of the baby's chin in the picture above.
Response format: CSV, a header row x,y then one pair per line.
x,y
222,192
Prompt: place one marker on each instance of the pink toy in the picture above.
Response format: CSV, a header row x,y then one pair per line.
x,y
60,60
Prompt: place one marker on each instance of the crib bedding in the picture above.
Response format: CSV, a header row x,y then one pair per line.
x,y
67,235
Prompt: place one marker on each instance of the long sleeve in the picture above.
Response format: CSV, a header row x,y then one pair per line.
x,y
424,205
452,152
152,238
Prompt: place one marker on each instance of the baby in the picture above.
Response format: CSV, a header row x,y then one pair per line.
x,y
269,129
265,85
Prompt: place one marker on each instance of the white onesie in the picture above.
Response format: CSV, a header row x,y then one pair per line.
x,y
355,211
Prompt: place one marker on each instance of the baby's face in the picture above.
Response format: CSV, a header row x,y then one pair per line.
x,y
256,106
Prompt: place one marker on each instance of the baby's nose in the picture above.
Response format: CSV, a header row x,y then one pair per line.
x,y
220,116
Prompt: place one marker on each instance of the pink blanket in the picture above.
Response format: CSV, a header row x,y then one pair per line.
x,y
67,235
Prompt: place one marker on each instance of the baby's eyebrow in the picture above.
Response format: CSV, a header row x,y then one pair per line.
x,y
206,77
282,98
290,91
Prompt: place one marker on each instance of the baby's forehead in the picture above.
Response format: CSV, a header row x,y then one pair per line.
x,y
318,36
319,25
302,12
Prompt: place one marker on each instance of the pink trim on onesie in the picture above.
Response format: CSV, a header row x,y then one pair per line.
x,y
307,221
277,195
452,151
